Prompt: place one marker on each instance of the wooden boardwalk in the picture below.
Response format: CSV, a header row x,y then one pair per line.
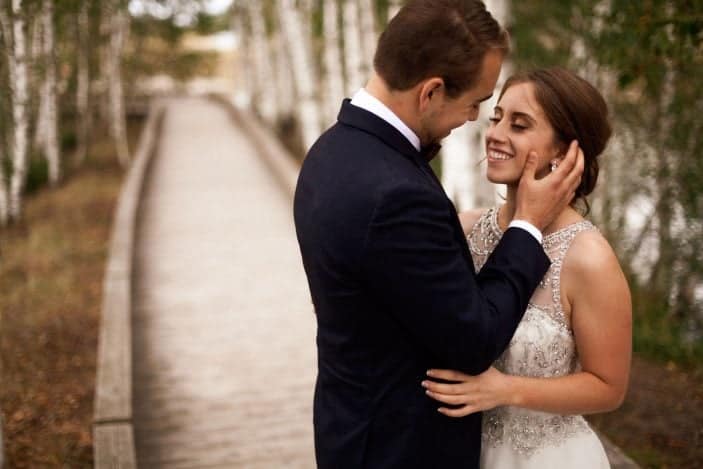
x,y
224,351
223,330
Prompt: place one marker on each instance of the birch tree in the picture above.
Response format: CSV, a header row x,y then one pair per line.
x,y
298,44
334,80
36,51
4,208
117,19
284,85
49,122
82,81
246,81
352,47
13,27
394,7
266,98
367,36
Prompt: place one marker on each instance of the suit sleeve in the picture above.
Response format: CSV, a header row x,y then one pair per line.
x,y
415,267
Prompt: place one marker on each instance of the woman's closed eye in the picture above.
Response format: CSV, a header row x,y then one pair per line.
x,y
516,126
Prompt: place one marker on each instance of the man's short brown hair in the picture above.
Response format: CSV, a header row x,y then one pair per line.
x,y
442,38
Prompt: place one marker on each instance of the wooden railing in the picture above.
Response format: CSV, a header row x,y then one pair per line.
x,y
113,435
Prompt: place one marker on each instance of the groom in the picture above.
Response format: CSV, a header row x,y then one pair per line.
x,y
388,266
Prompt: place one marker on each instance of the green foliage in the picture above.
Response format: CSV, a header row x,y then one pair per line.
x,y
209,24
659,338
37,173
164,29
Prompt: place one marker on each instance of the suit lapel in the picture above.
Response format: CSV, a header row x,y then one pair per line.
x,y
371,123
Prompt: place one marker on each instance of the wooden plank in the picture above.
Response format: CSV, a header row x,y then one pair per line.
x,y
279,160
114,446
618,459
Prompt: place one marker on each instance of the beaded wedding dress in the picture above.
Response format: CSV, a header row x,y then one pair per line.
x,y
543,346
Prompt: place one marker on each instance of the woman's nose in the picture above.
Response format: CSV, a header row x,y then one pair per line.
x,y
495,132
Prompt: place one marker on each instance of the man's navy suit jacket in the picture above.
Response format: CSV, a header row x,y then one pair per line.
x,y
395,294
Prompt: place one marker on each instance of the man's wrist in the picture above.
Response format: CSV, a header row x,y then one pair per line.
x,y
529,227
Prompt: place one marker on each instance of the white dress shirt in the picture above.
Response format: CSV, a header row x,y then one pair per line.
x,y
367,101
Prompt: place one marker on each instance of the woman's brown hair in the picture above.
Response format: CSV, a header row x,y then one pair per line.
x,y
576,111
438,38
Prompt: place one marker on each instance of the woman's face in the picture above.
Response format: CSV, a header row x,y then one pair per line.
x,y
518,126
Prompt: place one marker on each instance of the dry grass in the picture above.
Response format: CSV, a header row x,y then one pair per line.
x,y
51,269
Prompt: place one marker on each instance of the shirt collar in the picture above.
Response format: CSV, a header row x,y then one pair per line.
x,y
367,101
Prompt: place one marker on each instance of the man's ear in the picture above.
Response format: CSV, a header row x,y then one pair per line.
x,y
430,90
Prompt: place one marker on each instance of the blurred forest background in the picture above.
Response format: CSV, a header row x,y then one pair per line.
x,y
76,77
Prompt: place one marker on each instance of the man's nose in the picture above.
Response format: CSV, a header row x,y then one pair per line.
x,y
473,115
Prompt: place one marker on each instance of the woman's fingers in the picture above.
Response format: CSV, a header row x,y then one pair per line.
x,y
461,412
452,399
449,375
444,388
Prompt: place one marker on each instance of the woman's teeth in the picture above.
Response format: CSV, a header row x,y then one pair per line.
x,y
498,155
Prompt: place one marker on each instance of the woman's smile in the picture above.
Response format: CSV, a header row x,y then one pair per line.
x,y
497,155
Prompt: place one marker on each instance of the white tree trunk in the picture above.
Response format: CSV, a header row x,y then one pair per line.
x,y
14,33
283,69
457,172
118,31
51,141
266,99
4,213
36,56
6,31
244,81
352,47
393,8
83,84
367,32
297,41
334,80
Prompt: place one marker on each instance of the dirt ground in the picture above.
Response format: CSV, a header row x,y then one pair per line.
x,y
51,269
660,424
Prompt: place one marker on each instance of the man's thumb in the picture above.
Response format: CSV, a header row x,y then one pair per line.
x,y
531,165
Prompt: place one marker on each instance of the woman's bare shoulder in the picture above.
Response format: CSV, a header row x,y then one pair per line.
x,y
469,218
590,253
591,265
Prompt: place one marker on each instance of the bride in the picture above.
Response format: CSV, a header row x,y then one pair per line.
x,y
571,353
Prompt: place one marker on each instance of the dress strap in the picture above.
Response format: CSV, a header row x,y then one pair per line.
x,y
483,238
557,244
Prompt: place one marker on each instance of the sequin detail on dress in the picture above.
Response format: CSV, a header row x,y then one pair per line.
x,y
543,345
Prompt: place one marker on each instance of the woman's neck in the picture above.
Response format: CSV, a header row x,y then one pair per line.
x,y
507,213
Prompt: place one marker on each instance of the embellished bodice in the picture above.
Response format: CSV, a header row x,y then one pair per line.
x,y
543,345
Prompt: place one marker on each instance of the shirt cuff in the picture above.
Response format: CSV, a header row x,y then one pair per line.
x,y
529,227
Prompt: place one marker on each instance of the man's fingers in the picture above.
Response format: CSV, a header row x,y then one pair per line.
x,y
574,177
530,166
567,165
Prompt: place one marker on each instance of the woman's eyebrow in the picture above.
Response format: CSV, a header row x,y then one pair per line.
x,y
525,116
